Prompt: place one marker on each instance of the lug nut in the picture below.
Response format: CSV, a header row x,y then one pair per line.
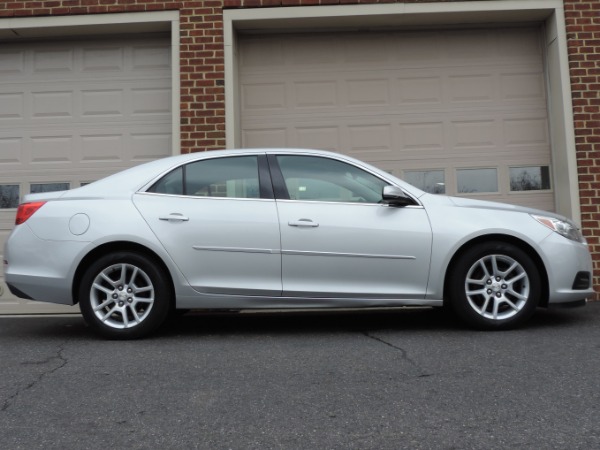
x,y
129,290
489,291
489,281
498,278
114,296
129,300
504,286
498,295
121,303
120,288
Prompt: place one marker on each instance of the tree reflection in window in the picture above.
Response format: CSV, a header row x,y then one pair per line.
x,y
38,188
530,178
9,196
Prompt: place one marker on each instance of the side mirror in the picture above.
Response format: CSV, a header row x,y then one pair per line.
x,y
394,196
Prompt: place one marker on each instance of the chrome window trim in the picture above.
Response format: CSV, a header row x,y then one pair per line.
x,y
206,198
383,205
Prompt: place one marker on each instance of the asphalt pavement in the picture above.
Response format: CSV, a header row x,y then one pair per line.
x,y
405,379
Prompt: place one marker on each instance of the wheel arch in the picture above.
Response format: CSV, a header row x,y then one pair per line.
x,y
118,246
531,252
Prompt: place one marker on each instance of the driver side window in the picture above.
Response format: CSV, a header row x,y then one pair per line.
x,y
313,178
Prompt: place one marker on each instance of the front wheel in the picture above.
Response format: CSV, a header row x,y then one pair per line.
x,y
124,295
494,285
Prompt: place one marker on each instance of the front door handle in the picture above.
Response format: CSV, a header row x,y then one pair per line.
x,y
303,223
175,217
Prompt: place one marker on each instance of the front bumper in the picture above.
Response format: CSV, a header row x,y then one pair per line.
x,y
568,263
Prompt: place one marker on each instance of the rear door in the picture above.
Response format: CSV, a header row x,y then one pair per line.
x,y
218,220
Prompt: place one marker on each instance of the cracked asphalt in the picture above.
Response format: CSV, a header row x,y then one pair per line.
x,y
378,380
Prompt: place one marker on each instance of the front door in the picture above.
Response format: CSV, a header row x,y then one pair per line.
x,y
339,240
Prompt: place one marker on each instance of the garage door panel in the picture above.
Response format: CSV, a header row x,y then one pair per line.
x,y
526,131
102,103
151,56
151,101
149,144
105,58
318,94
413,90
261,137
523,85
11,152
258,96
481,133
519,44
368,92
319,137
13,106
74,112
311,52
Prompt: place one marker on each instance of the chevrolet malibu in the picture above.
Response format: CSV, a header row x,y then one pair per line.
x,y
280,228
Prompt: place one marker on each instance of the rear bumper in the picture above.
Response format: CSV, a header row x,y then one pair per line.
x,y
41,289
39,269
17,293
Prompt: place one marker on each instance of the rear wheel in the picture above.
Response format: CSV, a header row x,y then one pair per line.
x,y
494,285
124,295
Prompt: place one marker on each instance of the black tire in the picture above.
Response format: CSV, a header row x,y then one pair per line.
x,y
124,295
494,286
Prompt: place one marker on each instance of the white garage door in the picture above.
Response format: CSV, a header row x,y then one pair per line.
x,y
461,112
74,112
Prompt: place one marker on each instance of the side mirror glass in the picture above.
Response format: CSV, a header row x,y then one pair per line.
x,y
394,196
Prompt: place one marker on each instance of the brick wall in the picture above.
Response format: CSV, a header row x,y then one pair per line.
x,y
202,75
583,35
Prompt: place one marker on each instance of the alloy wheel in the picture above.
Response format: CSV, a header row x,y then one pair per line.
x,y
122,296
497,287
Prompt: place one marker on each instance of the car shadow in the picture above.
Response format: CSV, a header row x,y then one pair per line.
x,y
432,320
302,322
220,323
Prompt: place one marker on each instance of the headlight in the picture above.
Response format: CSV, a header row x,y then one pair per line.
x,y
563,227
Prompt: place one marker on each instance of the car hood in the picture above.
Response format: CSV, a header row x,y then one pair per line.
x,y
497,206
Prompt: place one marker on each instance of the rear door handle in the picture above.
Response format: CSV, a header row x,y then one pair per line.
x,y
175,217
303,223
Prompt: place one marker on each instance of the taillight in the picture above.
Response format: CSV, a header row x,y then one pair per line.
x,y
26,210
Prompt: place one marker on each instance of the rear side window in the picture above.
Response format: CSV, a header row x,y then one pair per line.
x,y
231,177
172,183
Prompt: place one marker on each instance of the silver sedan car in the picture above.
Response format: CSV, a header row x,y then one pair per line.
x,y
280,228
